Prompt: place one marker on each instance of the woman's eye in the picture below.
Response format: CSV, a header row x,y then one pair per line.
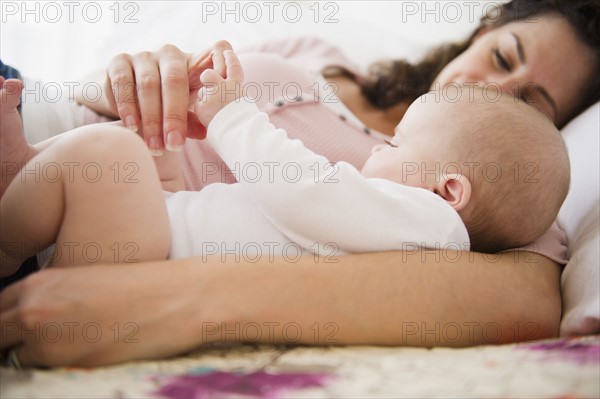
x,y
390,143
501,60
528,97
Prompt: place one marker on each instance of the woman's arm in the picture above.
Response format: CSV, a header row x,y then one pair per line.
x,y
154,310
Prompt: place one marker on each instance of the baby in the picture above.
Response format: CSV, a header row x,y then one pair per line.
x,y
470,174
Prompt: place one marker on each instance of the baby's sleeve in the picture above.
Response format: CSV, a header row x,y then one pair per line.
x,y
311,201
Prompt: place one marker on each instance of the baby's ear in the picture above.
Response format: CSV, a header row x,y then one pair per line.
x,y
455,189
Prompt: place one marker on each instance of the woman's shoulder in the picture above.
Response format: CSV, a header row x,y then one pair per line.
x,y
314,53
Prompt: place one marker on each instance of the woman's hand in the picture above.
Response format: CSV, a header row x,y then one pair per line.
x,y
152,92
66,316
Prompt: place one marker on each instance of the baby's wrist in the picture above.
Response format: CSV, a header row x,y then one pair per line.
x,y
230,115
207,111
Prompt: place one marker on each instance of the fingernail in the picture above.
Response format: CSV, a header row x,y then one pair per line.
x,y
130,123
174,141
155,146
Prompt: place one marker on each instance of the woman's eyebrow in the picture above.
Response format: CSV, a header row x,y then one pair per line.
x,y
520,51
543,92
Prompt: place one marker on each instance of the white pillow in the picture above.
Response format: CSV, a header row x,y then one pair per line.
x,y
582,137
580,281
55,113
579,218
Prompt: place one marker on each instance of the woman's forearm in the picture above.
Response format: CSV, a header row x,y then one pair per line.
x,y
426,298
159,309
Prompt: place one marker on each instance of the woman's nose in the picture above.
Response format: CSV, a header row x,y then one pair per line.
x,y
501,81
474,77
512,84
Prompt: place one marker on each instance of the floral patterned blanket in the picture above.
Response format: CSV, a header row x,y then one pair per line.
x,y
561,368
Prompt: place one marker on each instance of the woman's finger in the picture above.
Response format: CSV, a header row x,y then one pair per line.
x,y
197,65
196,130
10,327
20,357
234,68
9,297
175,93
149,96
121,91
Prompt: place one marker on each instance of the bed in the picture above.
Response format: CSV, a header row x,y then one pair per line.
x,y
566,367
562,368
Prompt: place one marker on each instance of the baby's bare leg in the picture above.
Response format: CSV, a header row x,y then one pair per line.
x,y
95,193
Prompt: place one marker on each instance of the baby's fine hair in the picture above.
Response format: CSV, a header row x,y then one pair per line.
x,y
519,172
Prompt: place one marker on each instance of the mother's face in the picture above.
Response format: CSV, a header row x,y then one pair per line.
x,y
541,61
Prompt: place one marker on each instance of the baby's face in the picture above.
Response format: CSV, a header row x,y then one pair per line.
x,y
413,157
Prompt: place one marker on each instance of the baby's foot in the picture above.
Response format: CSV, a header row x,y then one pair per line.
x,y
14,149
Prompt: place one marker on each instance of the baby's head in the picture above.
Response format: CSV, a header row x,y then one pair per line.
x,y
501,164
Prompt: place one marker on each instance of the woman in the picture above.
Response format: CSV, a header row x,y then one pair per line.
x,y
443,297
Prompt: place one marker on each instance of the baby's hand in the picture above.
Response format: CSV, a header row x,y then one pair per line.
x,y
217,92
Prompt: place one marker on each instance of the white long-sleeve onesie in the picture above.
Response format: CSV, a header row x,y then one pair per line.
x,y
290,201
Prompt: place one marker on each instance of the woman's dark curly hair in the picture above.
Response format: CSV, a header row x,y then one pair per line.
x,y
391,82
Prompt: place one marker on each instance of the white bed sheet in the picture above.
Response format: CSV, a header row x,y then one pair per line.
x,y
550,369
